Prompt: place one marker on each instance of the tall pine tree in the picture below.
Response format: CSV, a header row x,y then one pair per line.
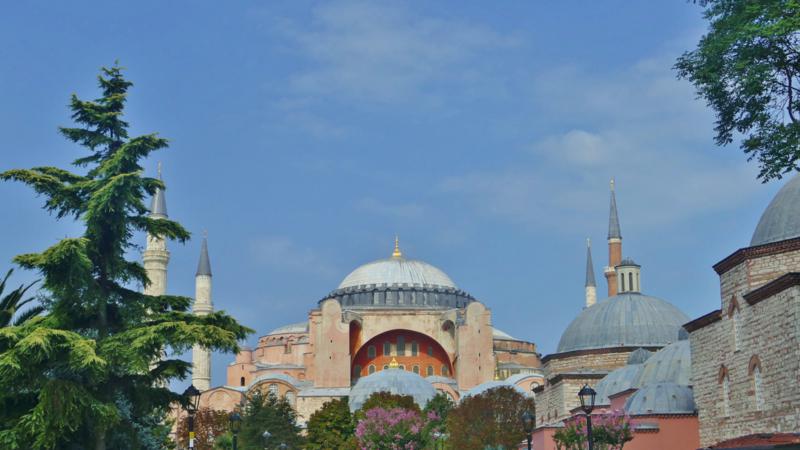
x,y
93,368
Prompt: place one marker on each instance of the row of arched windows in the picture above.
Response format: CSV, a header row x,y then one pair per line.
x,y
400,348
429,371
756,383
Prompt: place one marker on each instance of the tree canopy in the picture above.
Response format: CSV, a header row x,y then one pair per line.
x,y
492,418
94,366
273,414
747,68
331,426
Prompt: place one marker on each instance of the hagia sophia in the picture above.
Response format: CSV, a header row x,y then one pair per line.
x,y
402,325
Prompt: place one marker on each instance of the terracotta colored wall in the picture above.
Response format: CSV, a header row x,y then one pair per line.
x,y
423,360
674,433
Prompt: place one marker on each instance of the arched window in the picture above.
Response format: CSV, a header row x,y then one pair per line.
x,y
387,349
371,351
630,281
754,368
290,397
430,350
371,369
401,346
445,371
273,389
415,369
725,391
734,314
241,381
385,366
430,371
414,348
622,282
401,367
356,371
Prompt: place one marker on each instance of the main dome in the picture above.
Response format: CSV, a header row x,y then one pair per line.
x,y
625,320
781,219
397,271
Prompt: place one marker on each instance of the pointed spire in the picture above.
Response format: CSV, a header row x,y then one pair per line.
x,y
204,265
589,266
613,217
158,207
397,253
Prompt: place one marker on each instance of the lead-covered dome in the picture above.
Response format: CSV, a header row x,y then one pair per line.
x,y
781,219
661,398
626,320
397,271
395,381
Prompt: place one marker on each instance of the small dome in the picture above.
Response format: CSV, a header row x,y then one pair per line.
x,y
299,327
618,380
781,219
397,271
500,334
671,364
494,384
639,356
395,381
661,398
630,319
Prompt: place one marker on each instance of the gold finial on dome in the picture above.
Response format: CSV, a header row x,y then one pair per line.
x,y
397,253
394,364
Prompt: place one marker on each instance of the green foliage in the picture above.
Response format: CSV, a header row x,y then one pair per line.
x,y
209,424
610,431
747,67
12,302
269,413
441,405
92,371
491,418
386,400
331,426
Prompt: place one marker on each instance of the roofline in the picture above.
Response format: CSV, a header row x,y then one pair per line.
x,y
703,321
757,251
595,351
576,376
774,287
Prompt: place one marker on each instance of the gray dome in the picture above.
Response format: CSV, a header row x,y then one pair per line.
x,y
618,380
299,327
661,398
639,356
397,271
494,384
671,364
630,319
781,219
395,381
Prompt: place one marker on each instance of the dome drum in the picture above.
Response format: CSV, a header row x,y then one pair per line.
x,y
400,296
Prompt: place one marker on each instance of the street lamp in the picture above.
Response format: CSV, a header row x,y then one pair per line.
x,y
283,446
266,435
236,425
528,421
192,396
587,395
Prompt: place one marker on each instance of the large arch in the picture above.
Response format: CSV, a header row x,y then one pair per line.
x,y
430,357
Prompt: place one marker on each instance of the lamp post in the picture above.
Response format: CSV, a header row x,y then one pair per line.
x,y
192,396
266,435
528,421
236,425
587,395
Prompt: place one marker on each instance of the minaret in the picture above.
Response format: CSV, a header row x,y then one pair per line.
x,y
201,357
591,286
156,255
614,245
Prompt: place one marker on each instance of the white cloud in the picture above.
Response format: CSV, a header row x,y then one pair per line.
x,y
281,253
381,52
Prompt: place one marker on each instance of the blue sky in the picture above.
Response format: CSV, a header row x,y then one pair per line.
x,y
305,135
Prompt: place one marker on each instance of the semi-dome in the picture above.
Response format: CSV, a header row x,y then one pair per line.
x,y
299,327
395,381
626,320
397,271
494,384
617,381
671,364
661,398
781,219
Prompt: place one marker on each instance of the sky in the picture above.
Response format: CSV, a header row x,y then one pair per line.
x,y
305,135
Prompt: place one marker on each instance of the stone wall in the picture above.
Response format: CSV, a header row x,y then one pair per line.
x,y
768,337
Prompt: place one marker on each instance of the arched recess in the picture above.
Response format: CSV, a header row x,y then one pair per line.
x,y
401,345
355,337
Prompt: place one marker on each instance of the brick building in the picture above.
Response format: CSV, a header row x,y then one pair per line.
x,y
746,370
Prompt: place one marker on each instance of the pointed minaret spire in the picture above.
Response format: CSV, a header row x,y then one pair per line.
x,y
204,264
158,207
614,244
613,216
591,286
201,357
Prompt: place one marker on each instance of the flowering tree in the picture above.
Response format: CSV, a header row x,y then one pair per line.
x,y
611,431
394,429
